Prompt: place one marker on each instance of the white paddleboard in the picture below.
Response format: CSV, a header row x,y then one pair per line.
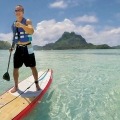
x,y
15,106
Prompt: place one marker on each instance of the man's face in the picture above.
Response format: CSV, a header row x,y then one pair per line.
x,y
19,11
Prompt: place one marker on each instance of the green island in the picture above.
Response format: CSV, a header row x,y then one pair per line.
x,y
4,45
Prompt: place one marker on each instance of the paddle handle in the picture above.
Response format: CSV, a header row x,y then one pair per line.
x,y
9,60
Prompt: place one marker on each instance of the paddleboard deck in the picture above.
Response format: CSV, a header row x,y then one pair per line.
x,y
15,106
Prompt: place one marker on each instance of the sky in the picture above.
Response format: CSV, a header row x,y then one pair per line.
x,y
98,21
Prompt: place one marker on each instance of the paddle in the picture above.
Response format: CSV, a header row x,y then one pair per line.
x,y
6,76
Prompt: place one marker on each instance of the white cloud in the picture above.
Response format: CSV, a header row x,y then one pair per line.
x,y
59,4
110,37
71,3
87,19
64,3
49,31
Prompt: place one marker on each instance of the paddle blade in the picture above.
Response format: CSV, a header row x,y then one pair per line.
x,y
6,76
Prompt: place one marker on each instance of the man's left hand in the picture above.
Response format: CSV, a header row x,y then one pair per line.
x,y
18,24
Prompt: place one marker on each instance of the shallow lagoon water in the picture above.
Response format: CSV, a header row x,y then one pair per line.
x,y
86,84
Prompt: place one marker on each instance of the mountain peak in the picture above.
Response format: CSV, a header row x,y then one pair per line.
x,y
66,34
71,39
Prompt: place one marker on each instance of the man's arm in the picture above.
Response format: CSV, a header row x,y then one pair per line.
x,y
28,28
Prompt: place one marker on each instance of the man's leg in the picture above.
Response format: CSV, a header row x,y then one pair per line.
x,y
15,75
35,74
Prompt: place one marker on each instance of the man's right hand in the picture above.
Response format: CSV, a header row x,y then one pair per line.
x,y
11,49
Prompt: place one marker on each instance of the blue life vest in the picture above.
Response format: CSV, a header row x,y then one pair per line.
x,y
20,34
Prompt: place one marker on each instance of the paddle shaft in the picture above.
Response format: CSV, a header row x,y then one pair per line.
x,y
9,60
11,49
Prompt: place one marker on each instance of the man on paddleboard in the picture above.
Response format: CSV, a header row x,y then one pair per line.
x,y
22,31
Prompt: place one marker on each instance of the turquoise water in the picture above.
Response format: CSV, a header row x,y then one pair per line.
x,y
86,84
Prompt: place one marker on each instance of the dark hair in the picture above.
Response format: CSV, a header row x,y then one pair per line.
x,y
21,7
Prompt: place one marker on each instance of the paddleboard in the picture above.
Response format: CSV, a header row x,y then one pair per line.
x,y
15,106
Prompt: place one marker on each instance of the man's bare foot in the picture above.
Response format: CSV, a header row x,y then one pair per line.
x,y
14,89
37,87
